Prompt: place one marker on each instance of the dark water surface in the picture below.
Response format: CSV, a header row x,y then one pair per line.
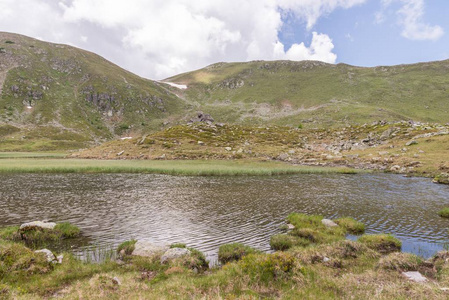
x,y
205,212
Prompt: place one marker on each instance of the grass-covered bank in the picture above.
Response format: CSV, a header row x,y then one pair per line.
x,y
4,155
171,167
327,266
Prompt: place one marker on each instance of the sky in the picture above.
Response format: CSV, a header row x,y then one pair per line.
x,y
157,39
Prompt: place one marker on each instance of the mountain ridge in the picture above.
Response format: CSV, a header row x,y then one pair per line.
x,y
55,96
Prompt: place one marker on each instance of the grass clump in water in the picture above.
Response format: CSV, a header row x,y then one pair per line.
x,y
67,230
351,225
178,245
444,213
382,243
233,252
127,247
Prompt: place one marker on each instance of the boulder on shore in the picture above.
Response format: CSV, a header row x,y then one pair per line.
x,y
328,223
148,249
174,253
37,225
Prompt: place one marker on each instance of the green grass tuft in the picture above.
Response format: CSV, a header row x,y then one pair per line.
x,y
383,243
128,247
67,230
351,225
233,252
444,213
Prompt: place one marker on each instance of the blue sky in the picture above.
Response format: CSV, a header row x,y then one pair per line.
x,y
161,38
360,40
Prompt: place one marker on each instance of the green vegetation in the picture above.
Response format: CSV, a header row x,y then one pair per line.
x,y
326,269
383,243
284,242
178,245
233,252
32,155
351,225
178,167
444,213
36,236
127,247
442,178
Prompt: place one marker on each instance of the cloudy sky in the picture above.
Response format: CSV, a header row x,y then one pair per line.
x,y
161,38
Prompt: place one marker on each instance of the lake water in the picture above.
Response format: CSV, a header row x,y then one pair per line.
x,y
205,212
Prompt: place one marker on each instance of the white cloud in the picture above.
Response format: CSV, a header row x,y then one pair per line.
x,y
160,38
411,19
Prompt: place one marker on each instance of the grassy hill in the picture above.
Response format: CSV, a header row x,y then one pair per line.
x,y
56,97
60,97
317,94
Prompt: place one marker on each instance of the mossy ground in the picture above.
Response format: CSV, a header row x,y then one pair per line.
x,y
326,269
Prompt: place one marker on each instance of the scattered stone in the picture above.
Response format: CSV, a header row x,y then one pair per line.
x,y
415,276
174,253
291,151
228,148
37,224
50,256
116,281
326,259
382,153
411,143
444,289
240,150
201,143
290,226
283,156
328,223
121,152
395,168
148,249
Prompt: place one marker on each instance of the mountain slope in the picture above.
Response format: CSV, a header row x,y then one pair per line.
x,y
317,94
57,96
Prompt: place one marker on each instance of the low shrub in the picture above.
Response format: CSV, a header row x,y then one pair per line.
x,y
284,242
195,261
233,252
382,243
351,225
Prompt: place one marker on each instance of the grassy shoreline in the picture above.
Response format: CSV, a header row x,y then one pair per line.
x,y
169,167
321,264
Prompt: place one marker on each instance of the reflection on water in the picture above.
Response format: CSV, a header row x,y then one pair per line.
x,y
205,212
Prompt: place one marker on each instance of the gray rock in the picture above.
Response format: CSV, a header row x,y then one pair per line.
x,y
326,259
48,254
116,281
290,226
174,253
60,258
411,143
228,148
37,224
328,223
148,249
415,276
